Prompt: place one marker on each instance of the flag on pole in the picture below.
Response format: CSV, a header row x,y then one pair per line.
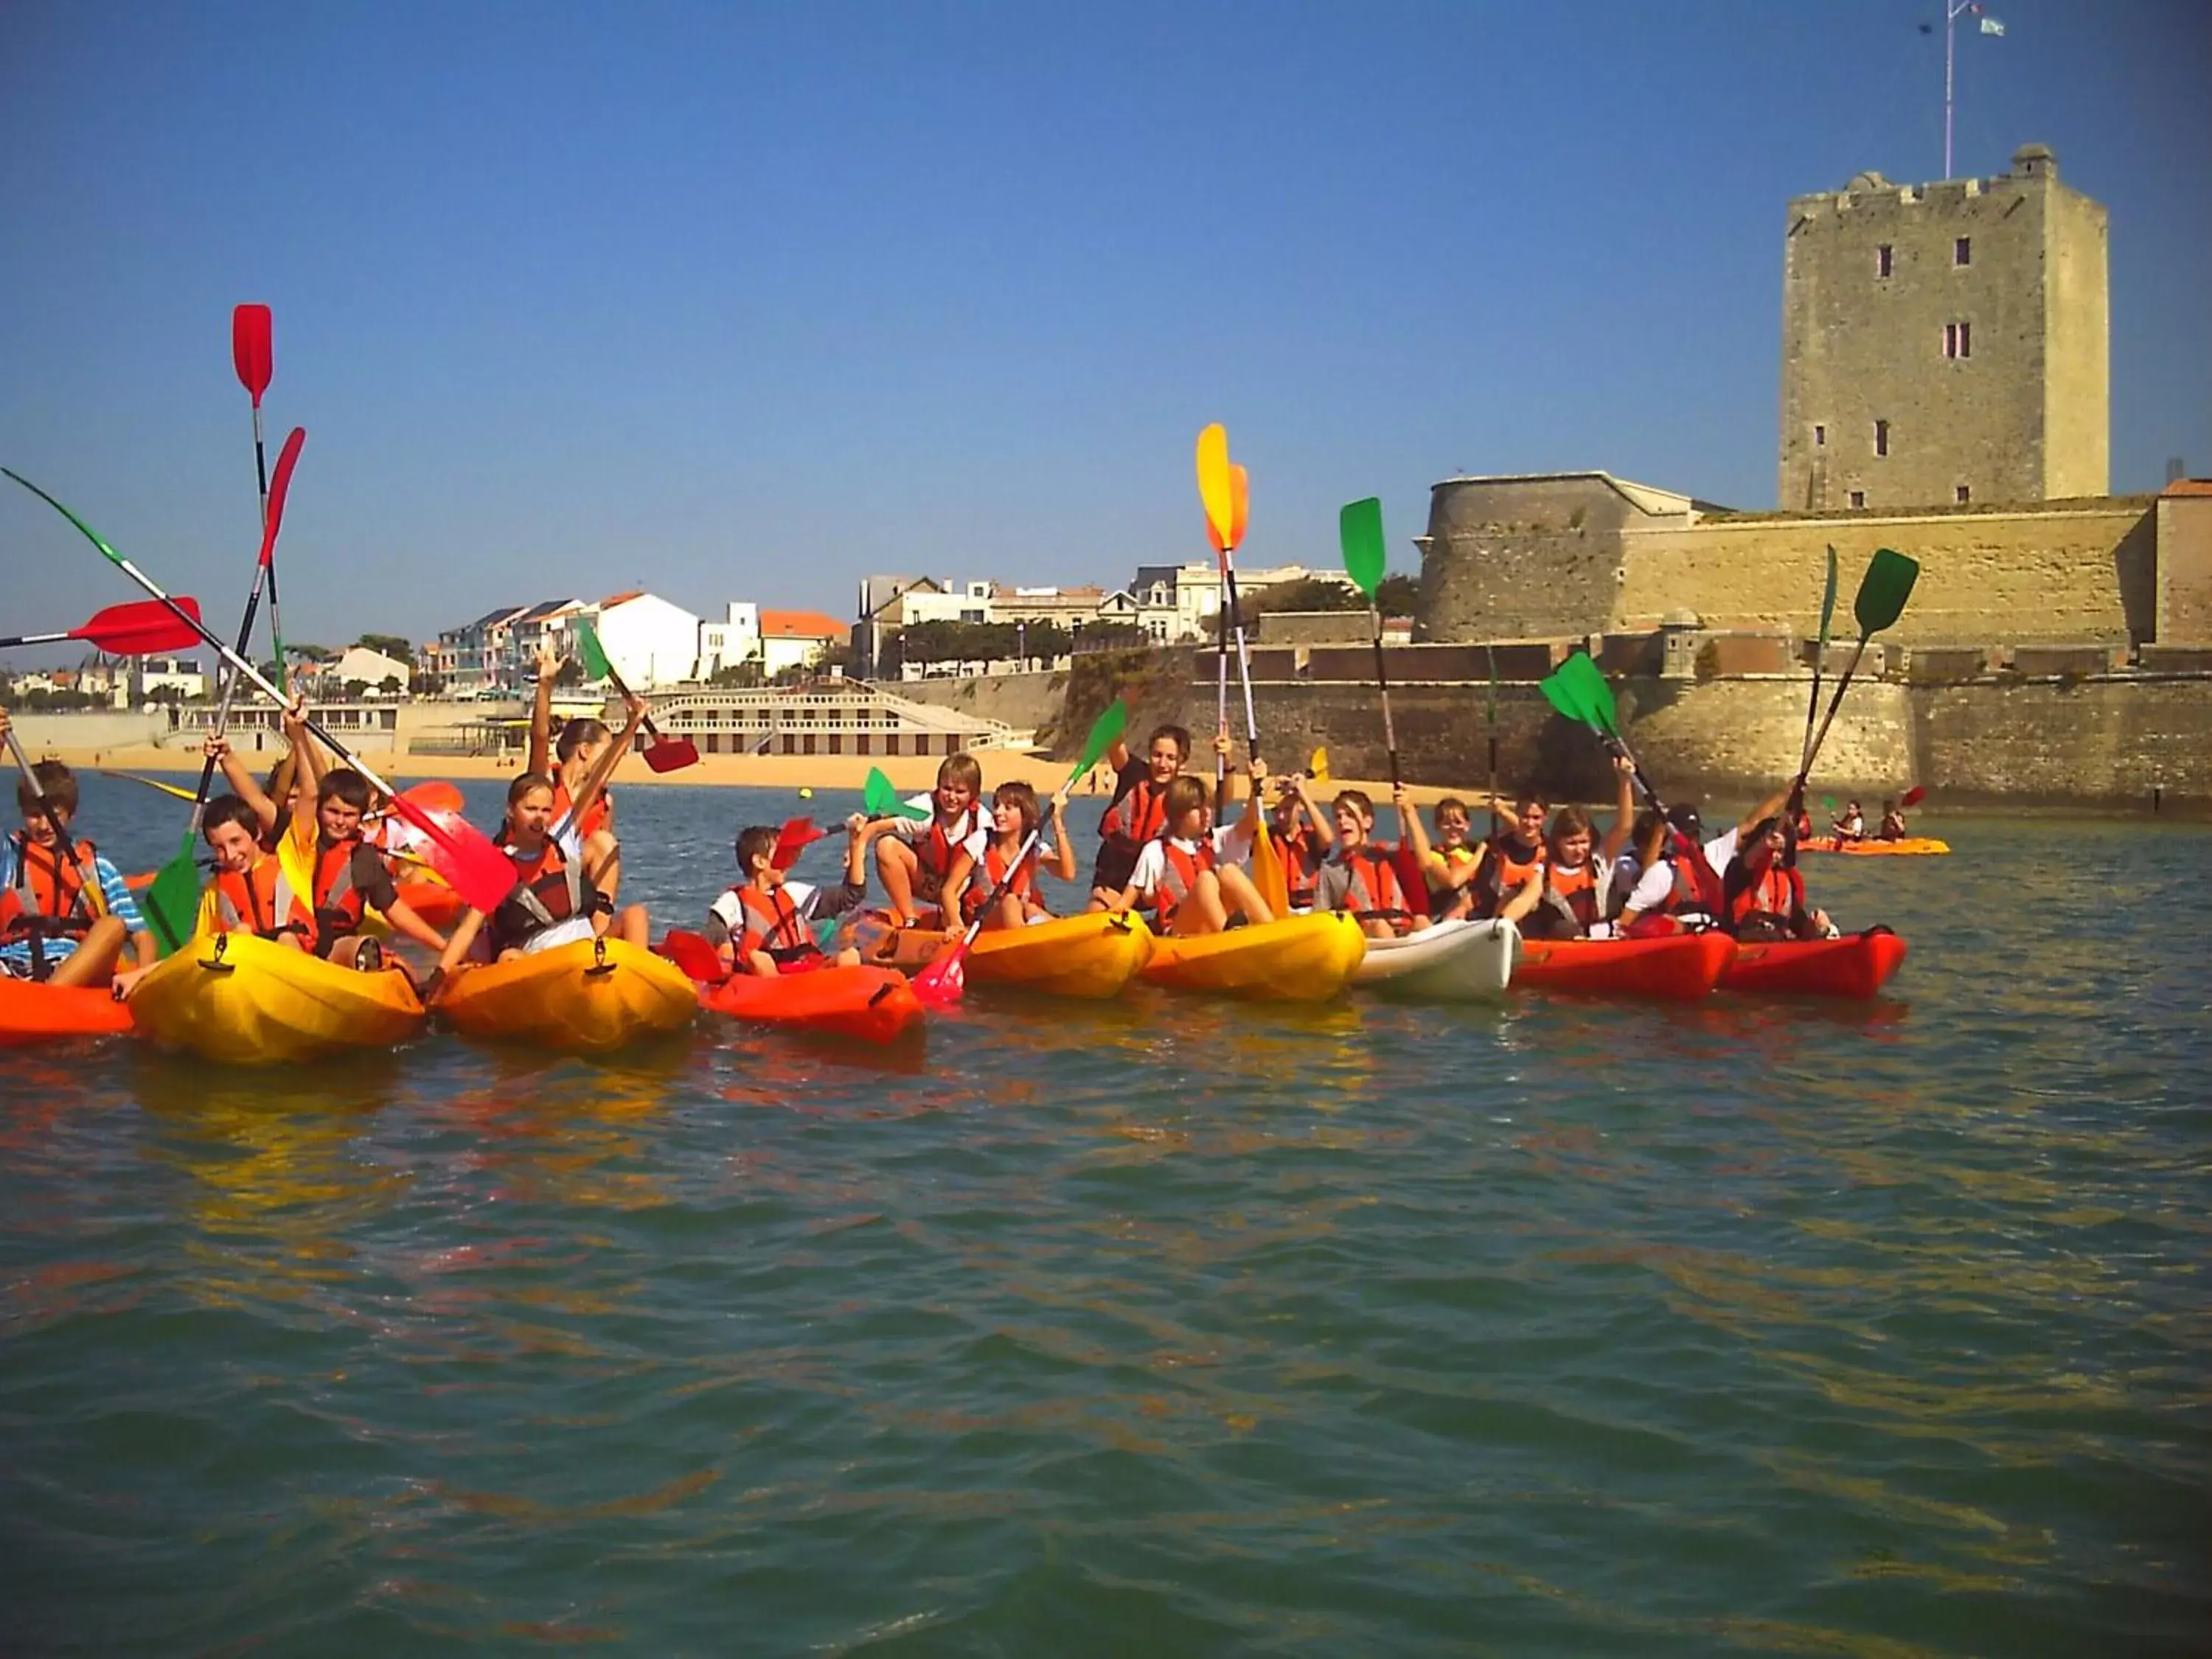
x,y
1991,26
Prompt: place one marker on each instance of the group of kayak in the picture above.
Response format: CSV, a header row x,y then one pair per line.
x,y
313,879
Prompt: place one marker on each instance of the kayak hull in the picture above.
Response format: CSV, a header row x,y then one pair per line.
x,y
1298,959
1856,965
1910,846
1681,967
243,1000
865,1005
48,1013
1094,955
587,997
1445,961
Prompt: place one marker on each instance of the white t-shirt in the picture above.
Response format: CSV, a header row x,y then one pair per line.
x,y
1653,885
1231,845
730,910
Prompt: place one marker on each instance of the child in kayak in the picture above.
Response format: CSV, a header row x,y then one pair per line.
x,y
1893,822
1187,875
1851,825
1679,881
568,760
914,857
347,875
1762,895
1509,881
728,916
1138,812
248,893
1363,878
1452,863
989,854
1578,870
63,921
1305,836
765,931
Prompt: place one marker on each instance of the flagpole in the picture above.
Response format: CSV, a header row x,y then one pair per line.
x,y
1951,10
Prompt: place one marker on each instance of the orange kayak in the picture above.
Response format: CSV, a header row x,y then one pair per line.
x,y
869,1005
45,1013
1682,967
1856,965
1908,847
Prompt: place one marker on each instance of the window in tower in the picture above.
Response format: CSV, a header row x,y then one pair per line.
x,y
1958,340
1881,260
1962,251
1819,436
1882,437
1858,498
1962,495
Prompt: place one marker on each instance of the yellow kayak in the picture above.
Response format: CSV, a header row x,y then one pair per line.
x,y
233,998
582,997
1298,959
1092,955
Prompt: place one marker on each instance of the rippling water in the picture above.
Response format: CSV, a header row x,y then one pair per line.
x,y
1166,1327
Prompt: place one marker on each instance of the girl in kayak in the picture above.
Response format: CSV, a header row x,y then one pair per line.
x,y
1305,836
555,898
1015,816
63,920
1763,897
1578,870
913,858
1138,812
1452,862
568,761
1851,825
1188,875
1509,879
1363,879
769,934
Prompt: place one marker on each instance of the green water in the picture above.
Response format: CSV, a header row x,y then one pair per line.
x,y
1162,1327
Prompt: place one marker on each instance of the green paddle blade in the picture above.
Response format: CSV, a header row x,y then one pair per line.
x,y
881,800
1556,694
1359,529
1828,601
590,653
172,904
1586,685
1884,589
1105,732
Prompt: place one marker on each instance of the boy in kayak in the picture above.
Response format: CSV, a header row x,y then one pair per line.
x,y
1187,875
1893,822
1305,836
64,920
728,917
765,930
1138,812
1452,862
989,854
913,856
346,875
1762,895
1678,882
248,893
1363,878
1578,870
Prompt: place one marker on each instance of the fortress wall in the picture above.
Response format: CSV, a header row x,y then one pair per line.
x,y
2090,741
2082,574
1515,558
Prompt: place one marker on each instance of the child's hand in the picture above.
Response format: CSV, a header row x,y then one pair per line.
x,y
215,747
857,826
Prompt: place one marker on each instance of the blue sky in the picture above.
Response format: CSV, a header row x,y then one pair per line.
x,y
743,301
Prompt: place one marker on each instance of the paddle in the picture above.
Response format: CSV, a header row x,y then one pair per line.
x,y
1912,798
1820,657
1359,533
692,953
1882,593
172,789
137,629
1577,689
479,871
945,980
1490,706
795,838
253,353
662,754
1268,875
1317,767
880,801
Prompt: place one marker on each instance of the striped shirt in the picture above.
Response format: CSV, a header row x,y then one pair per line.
x,y
112,889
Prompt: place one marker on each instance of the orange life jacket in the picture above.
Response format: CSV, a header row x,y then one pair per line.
x,y
1775,891
1513,873
259,900
1138,816
1374,892
602,812
933,851
339,907
50,899
1300,863
1178,875
551,890
1696,891
772,923
994,871
1576,889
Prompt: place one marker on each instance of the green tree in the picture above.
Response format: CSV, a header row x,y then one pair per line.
x,y
1101,635
390,645
1398,596
1311,593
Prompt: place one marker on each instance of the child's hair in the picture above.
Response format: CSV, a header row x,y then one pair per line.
x,y
1451,803
961,771
575,734
1185,794
525,784
229,809
756,841
1362,808
1527,799
59,783
1572,821
1180,735
346,785
1649,834
1021,796
1889,805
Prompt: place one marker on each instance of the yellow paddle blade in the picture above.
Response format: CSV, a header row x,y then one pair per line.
x,y
1217,490
1268,874
1317,767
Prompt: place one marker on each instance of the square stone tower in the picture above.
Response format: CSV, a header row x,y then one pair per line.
x,y
1945,343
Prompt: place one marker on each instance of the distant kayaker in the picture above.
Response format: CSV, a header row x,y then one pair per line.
x,y
1361,879
1851,824
1187,875
913,856
984,860
1138,811
62,922
1893,822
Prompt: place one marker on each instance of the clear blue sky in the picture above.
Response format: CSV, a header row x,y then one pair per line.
x,y
742,301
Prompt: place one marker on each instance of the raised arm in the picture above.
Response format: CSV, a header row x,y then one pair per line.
x,y
1410,827
541,709
1323,824
1623,814
1063,849
595,780
242,782
1765,810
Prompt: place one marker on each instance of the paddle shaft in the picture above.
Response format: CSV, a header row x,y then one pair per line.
x,y
88,890
1490,655
623,692
1834,704
1383,683
275,620
230,681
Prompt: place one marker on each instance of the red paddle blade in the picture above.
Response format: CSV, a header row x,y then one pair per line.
x,y
1914,796
796,836
279,482
672,754
691,952
436,796
945,980
482,874
250,348
137,629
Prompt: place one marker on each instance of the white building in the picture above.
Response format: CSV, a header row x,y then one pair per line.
x,y
651,642
372,668
736,639
797,639
180,675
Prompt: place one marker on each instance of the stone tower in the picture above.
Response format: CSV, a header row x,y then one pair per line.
x,y
1945,343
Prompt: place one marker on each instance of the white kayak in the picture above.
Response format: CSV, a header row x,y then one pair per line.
x,y
1444,962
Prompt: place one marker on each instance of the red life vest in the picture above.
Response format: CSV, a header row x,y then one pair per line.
x,y
1139,816
994,871
1513,874
261,902
1696,891
1776,891
772,923
551,889
1178,875
50,899
339,907
1300,863
1374,892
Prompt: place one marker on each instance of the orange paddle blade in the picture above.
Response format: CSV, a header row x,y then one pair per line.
x,y
1217,489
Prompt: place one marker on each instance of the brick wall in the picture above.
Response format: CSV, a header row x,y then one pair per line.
x,y
2183,580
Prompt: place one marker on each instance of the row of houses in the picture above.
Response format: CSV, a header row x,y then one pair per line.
x,y
652,642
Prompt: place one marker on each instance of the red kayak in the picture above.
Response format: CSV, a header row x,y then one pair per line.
x,y
869,1005
1681,966
45,1013
1856,965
